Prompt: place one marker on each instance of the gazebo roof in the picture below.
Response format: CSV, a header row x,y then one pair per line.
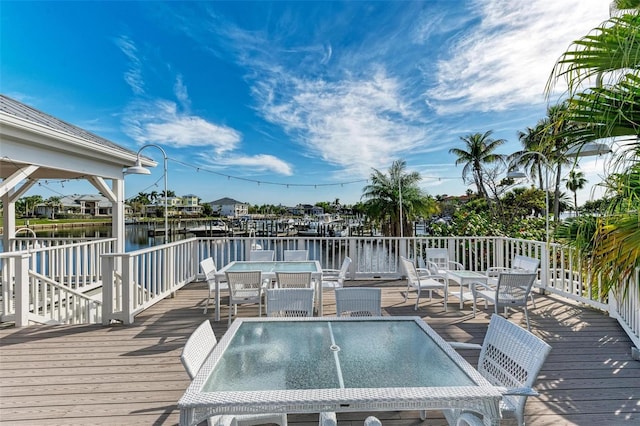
x,y
60,150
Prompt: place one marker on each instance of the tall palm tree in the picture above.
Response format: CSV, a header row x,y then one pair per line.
x,y
533,140
575,181
479,151
387,192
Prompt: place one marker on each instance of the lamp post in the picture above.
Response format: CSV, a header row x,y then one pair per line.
x,y
517,174
138,169
400,198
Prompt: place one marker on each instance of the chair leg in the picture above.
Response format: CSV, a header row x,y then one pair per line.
x,y
406,294
206,305
417,300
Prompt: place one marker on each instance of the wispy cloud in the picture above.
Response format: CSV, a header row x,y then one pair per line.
x,y
506,59
170,123
354,124
133,75
182,93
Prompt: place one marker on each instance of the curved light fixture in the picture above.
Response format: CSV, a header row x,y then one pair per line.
x,y
516,174
588,149
138,169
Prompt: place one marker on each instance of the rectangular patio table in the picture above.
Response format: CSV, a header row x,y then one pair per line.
x,y
463,277
269,270
311,365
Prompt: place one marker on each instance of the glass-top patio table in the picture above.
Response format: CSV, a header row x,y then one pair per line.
x,y
311,365
463,277
269,270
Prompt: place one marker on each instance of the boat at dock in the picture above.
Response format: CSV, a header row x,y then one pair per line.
x,y
214,228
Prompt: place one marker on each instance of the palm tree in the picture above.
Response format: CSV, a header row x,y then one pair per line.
x,y
533,140
384,195
557,141
479,152
54,204
575,181
611,55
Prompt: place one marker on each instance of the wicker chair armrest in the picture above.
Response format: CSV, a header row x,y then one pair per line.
x,y
455,265
439,278
524,391
330,274
463,345
483,286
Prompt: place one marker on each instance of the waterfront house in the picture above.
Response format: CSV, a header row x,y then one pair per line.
x,y
230,207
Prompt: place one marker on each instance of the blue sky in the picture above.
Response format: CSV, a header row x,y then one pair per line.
x,y
291,102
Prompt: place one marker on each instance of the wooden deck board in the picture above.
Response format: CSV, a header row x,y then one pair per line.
x,y
89,374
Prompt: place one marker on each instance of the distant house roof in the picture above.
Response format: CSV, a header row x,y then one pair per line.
x,y
226,201
76,199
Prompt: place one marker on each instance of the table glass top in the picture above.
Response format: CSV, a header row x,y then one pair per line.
x,y
336,354
467,274
301,266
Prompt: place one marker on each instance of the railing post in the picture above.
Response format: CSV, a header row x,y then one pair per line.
x,y
108,283
22,289
544,264
352,250
128,289
169,275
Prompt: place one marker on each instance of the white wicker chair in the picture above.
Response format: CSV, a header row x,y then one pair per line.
x,y
511,291
358,302
245,287
511,358
195,352
334,278
295,255
293,279
422,282
519,264
209,270
290,302
438,263
262,255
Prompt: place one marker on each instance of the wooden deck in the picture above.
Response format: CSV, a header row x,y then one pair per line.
x,y
132,374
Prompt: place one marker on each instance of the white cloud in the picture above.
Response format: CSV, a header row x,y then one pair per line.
x,y
507,59
133,75
160,122
258,163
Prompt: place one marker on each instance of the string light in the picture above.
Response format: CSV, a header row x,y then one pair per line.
x,y
228,176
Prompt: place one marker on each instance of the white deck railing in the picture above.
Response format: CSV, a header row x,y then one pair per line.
x,y
134,281
131,282
55,283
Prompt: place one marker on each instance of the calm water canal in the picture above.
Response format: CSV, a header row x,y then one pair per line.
x,y
136,236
